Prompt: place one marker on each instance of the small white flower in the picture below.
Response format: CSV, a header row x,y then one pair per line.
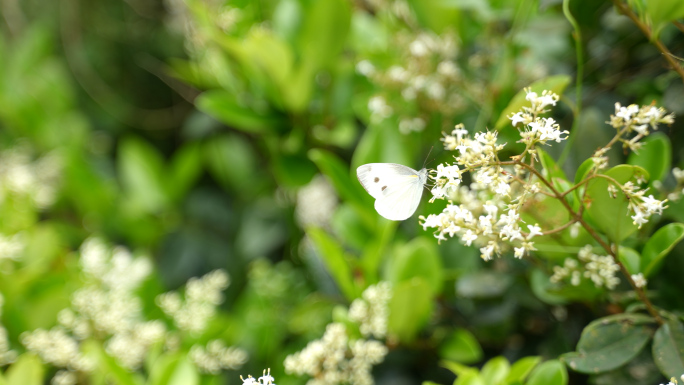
x,y
639,280
534,230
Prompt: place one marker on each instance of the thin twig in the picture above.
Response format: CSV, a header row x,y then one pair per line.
x,y
627,11
578,217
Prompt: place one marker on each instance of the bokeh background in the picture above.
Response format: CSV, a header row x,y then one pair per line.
x,y
209,134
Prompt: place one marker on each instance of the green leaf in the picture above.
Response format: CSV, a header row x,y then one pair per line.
x,y
461,346
26,370
223,106
324,32
655,156
335,260
495,371
583,170
609,343
549,373
668,349
185,373
456,368
556,83
630,258
659,245
163,368
350,190
541,287
662,12
293,170
231,159
184,170
522,368
418,258
438,15
410,308
612,215
105,364
470,378
141,169
3,381
551,169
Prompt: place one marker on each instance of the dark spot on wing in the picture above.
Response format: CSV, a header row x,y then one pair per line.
x,y
383,188
376,180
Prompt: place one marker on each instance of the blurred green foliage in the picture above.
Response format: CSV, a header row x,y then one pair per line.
x,y
197,131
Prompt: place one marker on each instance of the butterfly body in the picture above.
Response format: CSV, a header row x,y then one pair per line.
x,y
396,188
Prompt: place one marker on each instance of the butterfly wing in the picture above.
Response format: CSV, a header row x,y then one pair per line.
x,y
396,188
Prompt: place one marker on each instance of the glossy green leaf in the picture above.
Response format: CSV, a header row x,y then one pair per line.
x,y
541,287
668,349
337,173
612,215
549,373
222,106
184,170
631,259
609,343
26,370
231,159
456,368
335,260
410,308
495,371
437,15
662,12
324,31
293,170
522,368
659,245
583,170
418,258
549,166
185,373
141,169
461,346
470,378
555,83
163,368
655,156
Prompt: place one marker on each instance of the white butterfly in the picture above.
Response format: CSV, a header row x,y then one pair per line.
x,y
397,189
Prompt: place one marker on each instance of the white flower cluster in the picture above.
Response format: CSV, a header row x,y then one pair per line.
x,y
12,247
216,356
21,176
106,307
316,203
266,379
639,120
64,377
427,77
484,215
372,310
56,347
202,296
642,206
599,269
334,359
673,381
7,356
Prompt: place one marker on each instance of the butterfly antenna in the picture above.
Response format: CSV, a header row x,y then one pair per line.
x,y
426,163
